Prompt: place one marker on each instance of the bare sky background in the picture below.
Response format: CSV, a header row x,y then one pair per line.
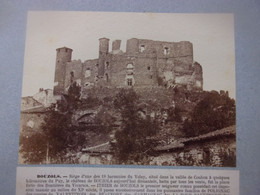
x,y
212,36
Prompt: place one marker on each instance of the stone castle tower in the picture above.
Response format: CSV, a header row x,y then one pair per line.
x,y
103,51
146,63
63,57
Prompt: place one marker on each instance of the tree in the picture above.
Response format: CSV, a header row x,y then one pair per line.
x,y
57,132
174,114
49,143
33,148
74,93
214,112
57,129
134,139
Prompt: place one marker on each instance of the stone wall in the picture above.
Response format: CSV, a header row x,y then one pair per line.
x,y
209,153
204,153
89,73
31,122
97,159
161,49
45,97
29,102
73,73
144,64
63,56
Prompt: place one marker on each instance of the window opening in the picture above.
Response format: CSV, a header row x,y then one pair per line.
x,y
71,76
142,47
130,69
106,77
166,50
130,82
107,65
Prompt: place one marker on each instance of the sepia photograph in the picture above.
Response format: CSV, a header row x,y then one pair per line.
x,y
117,88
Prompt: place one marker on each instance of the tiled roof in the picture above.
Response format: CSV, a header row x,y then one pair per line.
x,y
231,130
102,148
171,146
181,142
35,109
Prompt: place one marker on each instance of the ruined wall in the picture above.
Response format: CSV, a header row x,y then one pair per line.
x,y
116,45
145,63
121,67
182,50
132,46
89,73
116,72
145,72
171,62
73,73
198,75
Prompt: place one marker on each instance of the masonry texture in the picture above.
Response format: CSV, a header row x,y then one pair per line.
x,y
145,63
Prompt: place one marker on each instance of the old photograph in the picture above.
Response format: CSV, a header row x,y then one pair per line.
x,y
117,88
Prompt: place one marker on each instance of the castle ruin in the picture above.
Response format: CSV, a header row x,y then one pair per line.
x,y
146,63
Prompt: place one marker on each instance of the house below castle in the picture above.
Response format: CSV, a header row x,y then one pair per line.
x,y
145,63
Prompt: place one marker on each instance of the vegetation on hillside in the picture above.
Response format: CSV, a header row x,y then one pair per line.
x,y
134,140
213,112
137,132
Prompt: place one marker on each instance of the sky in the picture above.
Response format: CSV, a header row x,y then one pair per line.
x,y
212,36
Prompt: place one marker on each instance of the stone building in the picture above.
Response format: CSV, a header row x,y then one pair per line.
x,y
34,109
145,63
217,148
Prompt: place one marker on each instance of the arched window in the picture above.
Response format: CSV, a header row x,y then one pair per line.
x,y
129,69
130,66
